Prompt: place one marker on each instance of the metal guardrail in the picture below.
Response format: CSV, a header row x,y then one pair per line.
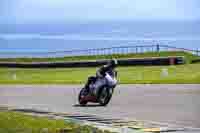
x,y
172,48
99,51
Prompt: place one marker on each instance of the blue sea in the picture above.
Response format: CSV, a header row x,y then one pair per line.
x,y
85,35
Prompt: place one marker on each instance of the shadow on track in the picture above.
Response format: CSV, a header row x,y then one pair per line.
x,y
88,105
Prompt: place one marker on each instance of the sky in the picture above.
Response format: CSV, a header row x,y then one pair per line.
x,y
61,11
56,16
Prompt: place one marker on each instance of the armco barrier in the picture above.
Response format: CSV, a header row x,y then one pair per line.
x,y
122,62
196,61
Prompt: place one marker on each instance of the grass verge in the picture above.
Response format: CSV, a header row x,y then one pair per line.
x,y
187,74
14,122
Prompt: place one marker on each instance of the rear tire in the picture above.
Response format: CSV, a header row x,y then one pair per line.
x,y
81,93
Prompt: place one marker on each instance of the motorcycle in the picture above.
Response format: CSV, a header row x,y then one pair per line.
x,y
100,91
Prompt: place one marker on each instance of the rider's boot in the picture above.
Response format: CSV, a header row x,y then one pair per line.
x,y
87,85
90,80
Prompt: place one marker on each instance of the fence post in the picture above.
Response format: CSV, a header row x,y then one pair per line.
x,y
158,48
136,49
141,49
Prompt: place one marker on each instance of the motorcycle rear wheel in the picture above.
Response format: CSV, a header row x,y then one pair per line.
x,y
81,93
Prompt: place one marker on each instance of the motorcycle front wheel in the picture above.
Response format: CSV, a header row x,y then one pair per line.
x,y
105,96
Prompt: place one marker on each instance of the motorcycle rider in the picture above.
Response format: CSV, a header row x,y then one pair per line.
x,y
101,72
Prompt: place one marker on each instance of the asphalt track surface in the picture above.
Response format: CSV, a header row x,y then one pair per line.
x,y
173,104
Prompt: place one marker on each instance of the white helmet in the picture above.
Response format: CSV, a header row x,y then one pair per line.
x,y
113,63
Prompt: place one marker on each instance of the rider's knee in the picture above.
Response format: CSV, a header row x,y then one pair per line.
x,y
91,78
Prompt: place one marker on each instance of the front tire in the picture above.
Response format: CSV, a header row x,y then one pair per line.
x,y
105,96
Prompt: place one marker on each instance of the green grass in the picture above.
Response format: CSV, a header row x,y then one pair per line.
x,y
188,57
14,122
188,73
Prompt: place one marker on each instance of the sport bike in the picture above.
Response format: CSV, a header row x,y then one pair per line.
x,y
100,90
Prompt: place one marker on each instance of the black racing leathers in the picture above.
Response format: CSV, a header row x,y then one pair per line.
x,y
106,69
101,72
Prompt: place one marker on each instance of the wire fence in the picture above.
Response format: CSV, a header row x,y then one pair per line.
x,y
99,51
